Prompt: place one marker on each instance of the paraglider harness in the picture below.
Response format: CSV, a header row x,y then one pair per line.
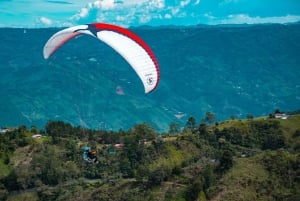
x,y
89,156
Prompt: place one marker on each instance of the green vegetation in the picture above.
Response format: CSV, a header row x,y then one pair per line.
x,y
252,159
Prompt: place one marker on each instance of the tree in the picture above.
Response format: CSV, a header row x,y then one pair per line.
x,y
202,129
58,129
3,192
190,124
25,176
209,176
226,161
10,181
210,117
33,129
296,134
249,116
193,192
174,128
273,141
277,111
49,166
159,175
143,131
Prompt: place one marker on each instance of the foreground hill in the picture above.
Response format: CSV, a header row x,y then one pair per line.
x,y
253,159
225,70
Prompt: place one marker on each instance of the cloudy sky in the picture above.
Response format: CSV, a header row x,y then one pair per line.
x,y
57,13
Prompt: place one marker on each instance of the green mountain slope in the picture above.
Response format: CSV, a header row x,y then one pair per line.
x,y
225,70
253,159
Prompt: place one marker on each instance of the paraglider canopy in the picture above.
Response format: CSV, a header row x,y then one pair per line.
x,y
131,47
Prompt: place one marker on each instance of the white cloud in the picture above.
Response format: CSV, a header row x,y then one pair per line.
x,y
184,3
138,12
159,4
122,12
83,12
94,6
144,18
246,19
46,21
133,12
209,16
134,2
174,10
120,18
104,4
168,16
197,2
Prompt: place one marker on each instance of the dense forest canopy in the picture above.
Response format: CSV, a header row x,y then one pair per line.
x,y
250,159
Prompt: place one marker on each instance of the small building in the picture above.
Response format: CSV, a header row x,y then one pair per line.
x,y
281,116
36,136
118,146
4,130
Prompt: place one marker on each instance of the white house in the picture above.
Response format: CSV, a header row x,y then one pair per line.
x,y
4,130
36,136
281,116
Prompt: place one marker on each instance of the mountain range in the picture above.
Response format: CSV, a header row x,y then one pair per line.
x,y
231,71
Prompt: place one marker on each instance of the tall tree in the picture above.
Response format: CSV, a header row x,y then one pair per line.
x,y
226,161
174,128
190,124
210,117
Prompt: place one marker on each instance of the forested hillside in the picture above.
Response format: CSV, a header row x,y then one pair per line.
x,y
250,159
233,70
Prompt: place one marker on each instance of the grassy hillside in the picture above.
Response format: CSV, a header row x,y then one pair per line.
x,y
243,181
253,159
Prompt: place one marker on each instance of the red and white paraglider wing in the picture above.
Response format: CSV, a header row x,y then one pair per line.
x,y
136,53
132,48
60,38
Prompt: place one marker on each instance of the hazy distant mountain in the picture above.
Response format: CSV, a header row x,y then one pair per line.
x,y
224,70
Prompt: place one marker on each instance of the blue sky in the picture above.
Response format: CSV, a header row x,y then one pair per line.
x,y
58,13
